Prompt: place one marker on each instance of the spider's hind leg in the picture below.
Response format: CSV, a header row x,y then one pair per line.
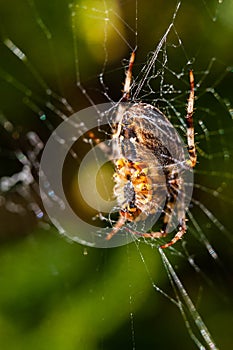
x,y
174,187
178,235
174,190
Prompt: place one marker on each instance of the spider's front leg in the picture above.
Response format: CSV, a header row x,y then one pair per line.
x,y
189,123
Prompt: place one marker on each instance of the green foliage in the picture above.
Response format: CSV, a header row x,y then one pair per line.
x,y
55,295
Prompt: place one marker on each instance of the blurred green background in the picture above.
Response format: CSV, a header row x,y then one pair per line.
x,y
59,295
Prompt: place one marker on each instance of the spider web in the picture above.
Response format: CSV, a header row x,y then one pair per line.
x,y
73,59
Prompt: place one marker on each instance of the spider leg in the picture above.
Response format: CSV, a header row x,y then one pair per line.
x,y
189,122
116,228
128,78
95,141
173,191
173,187
125,97
178,236
158,234
173,184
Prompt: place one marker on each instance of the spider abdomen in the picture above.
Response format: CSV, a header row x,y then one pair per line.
x,y
133,189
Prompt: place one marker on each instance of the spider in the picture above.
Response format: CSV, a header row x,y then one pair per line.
x,y
134,178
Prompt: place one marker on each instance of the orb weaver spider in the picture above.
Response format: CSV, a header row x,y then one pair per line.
x,y
133,180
